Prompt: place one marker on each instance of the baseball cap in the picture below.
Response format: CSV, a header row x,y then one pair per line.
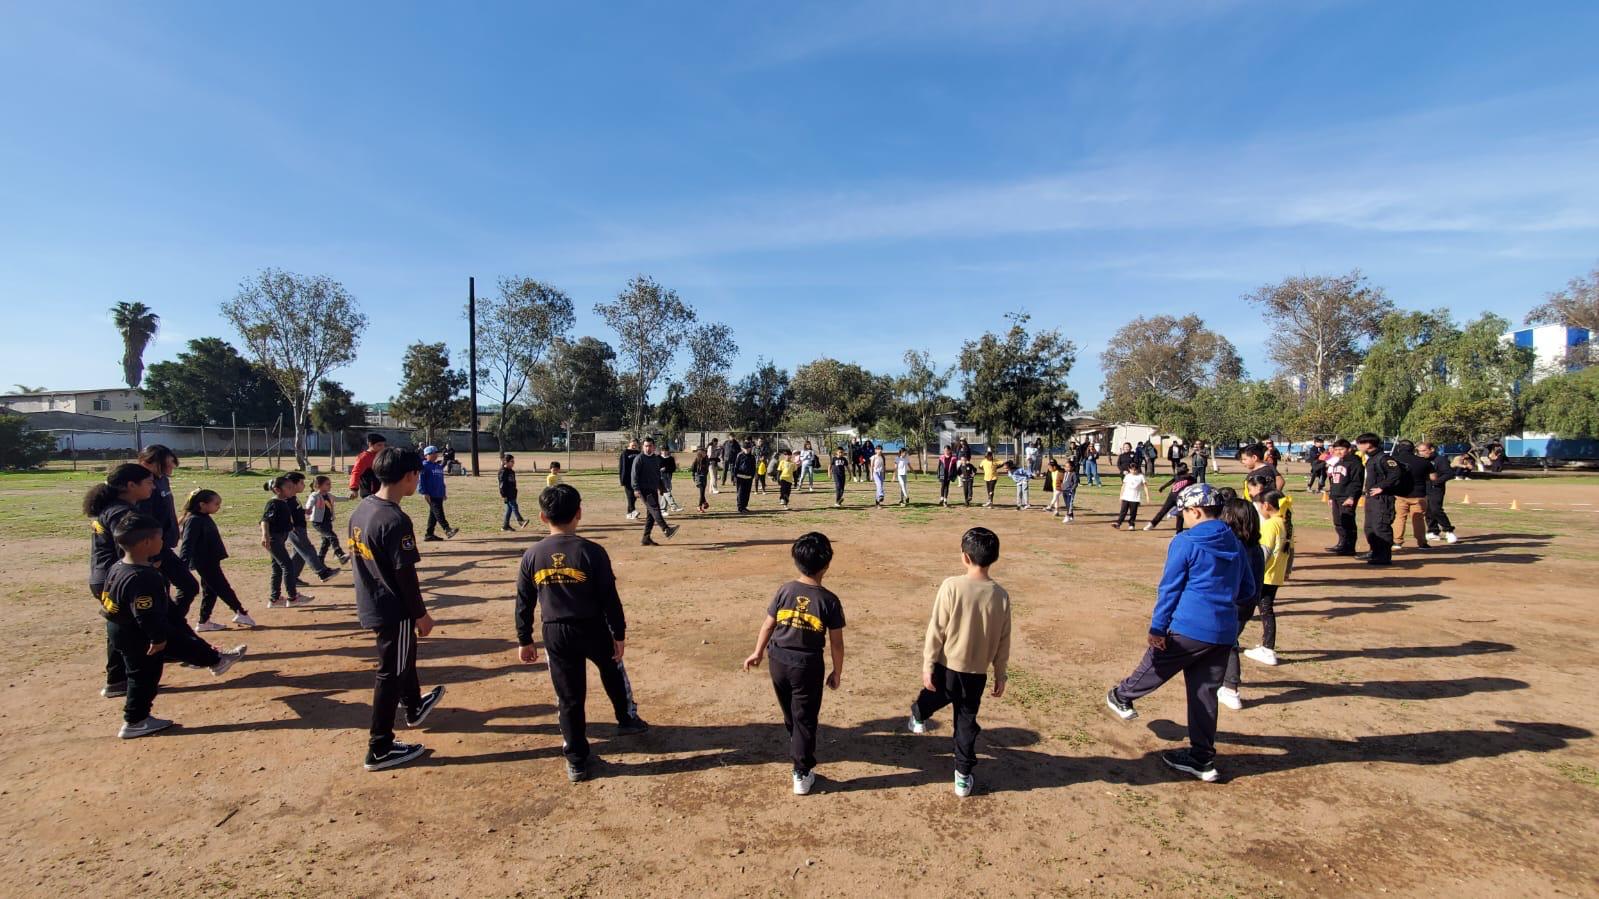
x,y
429,450
1198,496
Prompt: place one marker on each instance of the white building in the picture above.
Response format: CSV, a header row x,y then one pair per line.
x,y
120,403
1557,349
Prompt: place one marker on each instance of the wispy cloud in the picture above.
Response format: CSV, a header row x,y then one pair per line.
x,y
822,28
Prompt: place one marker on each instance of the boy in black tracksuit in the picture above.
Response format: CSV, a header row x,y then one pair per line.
x,y
569,579
803,617
1385,479
138,616
388,602
1345,479
1438,523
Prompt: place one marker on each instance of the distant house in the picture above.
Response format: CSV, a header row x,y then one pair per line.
x,y
120,403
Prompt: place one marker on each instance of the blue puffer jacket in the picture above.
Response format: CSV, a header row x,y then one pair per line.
x,y
1205,580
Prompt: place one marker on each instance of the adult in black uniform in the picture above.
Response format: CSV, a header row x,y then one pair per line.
x,y
647,484
743,478
1438,523
730,451
1345,483
1385,479
1318,467
624,468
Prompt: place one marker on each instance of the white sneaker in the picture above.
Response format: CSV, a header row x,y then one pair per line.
x,y
804,782
228,660
144,728
632,516
1262,654
205,626
243,620
1149,527
964,784
1228,697
916,726
1067,520
1451,538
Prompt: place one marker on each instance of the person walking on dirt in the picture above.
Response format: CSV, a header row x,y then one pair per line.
x,y
624,468
647,485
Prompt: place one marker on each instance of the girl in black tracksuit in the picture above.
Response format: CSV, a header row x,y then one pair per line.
x,y
277,525
200,545
104,505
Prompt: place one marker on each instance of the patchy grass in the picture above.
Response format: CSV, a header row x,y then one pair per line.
x,y
1579,774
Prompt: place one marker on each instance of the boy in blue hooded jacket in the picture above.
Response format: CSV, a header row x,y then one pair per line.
x,y
1193,627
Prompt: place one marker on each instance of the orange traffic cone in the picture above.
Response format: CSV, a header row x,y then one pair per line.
x,y
1325,497
1515,506
1465,499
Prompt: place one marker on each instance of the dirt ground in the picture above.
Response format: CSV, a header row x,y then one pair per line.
x,y
1430,730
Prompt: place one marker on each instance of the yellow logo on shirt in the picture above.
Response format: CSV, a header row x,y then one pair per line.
x,y
97,527
109,603
800,616
357,547
144,603
559,572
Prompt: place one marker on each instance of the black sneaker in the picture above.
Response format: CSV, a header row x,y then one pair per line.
x,y
397,754
648,542
632,728
327,574
432,538
1183,760
506,527
1123,709
415,719
579,773
115,691
451,532
671,531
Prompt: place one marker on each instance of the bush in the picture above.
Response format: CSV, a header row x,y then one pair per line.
x,y
21,446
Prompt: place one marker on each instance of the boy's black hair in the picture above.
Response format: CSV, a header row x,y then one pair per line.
x,y
1370,438
394,463
295,477
1263,481
812,552
1241,517
560,503
321,479
784,452
981,545
555,464
1341,443
1225,495
135,528
98,497
1258,450
1404,446
1181,469
375,438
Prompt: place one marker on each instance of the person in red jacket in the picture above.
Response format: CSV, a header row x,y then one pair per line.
x,y
375,443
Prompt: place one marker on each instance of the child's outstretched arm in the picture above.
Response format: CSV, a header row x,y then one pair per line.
x,y
835,642
765,636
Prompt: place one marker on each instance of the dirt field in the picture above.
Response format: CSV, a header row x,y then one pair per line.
x,y
1430,731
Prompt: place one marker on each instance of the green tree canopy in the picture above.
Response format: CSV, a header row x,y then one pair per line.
x,y
1566,405
430,398
842,393
210,383
761,398
1015,382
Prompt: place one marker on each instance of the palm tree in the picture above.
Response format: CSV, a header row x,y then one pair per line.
x,y
137,325
23,388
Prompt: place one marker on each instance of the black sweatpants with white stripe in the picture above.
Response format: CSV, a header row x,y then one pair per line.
x,y
396,680
570,646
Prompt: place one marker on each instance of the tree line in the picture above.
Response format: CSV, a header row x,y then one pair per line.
x,y
1346,360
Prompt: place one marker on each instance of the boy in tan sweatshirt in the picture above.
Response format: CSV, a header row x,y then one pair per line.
x,y
968,632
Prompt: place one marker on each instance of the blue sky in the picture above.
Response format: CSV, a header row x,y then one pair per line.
x,y
901,172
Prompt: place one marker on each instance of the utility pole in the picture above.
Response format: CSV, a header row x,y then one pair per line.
x,y
471,360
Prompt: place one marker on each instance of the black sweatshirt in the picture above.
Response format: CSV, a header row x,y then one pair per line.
x,y
624,466
103,552
647,473
1416,470
159,506
1383,470
278,513
383,546
1344,477
508,483
200,543
570,580
137,595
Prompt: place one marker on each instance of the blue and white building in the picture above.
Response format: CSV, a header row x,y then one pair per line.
x,y
1557,349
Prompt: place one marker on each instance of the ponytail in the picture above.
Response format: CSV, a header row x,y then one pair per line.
x,y
101,496
273,485
1274,499
196,499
